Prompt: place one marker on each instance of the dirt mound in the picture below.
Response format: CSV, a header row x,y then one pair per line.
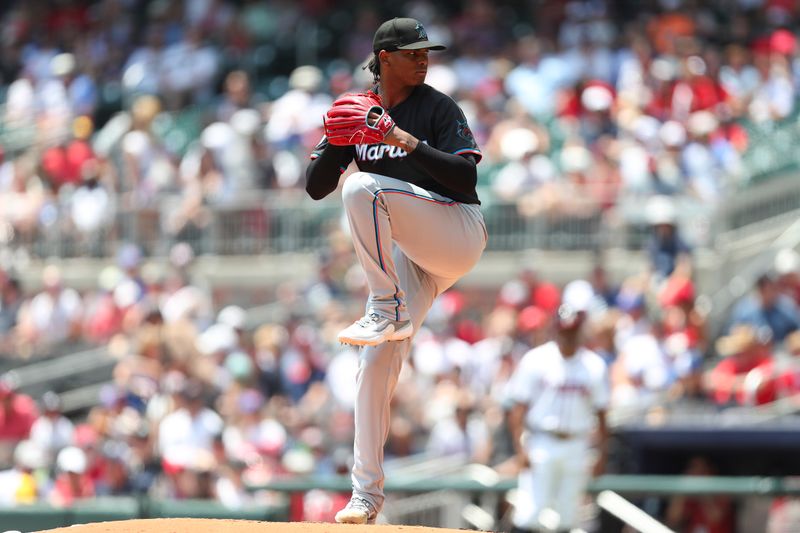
x,y
196,525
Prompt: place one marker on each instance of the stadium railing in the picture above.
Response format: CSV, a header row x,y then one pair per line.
x,y
453,497
771,147
272,222
624,484
37,517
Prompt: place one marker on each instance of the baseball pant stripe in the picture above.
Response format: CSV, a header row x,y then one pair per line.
x,y
380,252
378,231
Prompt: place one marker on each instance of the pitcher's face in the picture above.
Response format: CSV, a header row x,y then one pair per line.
x,y
407,67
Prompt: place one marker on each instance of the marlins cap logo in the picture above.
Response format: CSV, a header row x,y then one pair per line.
x,y
421,31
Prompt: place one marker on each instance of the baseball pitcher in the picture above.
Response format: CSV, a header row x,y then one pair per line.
x,y
414,217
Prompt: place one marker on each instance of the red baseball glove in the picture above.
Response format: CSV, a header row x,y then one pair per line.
x,y
348,120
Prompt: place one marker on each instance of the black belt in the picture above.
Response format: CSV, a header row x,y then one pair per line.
x,y
560,435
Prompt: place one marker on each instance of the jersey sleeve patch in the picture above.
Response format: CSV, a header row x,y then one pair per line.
x,y
463,130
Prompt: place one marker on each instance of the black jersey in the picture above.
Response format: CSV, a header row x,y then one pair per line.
x,y
433,118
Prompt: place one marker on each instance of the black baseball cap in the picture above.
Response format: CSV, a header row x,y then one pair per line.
x,y
402,34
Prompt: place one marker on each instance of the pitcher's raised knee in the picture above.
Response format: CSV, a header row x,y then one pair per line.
x,y
359,187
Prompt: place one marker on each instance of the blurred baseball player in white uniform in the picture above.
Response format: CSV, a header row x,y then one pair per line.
x,y
560,392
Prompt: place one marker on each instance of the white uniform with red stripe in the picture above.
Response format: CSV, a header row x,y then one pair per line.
x,y
413,245
563,395
414,239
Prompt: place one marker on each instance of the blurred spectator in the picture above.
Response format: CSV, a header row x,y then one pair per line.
x,y
632,301
187,434
787,371
129,258
22,195
89,441
143,71
72,483
26,482
147,168
683,333
603,288
744,375
143,463
104,313
189,68
302,362
235,318
768,308
462,434
707,160
329,284
20,99
787,268
671,27
229,487
593,111
102,417
221,169
218,344
52,431
237,96
64,94
712,514
641,374
11,300
784,515
536,78
680,315
666,247
53,315
18,412
296,112
774,97
63,164
539,292
533,326
269,343
115,480
601,333
248,433
670,173
521,146
91,206
187,306
739,77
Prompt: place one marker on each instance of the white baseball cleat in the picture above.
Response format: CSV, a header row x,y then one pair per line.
x,y
357,511
374,329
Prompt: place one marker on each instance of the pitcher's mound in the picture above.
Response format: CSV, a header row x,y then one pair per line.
x,y
198,525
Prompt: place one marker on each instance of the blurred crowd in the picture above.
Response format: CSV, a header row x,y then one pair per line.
x,y
578,106
204,403
184,107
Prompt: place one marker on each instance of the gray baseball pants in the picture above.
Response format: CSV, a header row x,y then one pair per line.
x,y
413,244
